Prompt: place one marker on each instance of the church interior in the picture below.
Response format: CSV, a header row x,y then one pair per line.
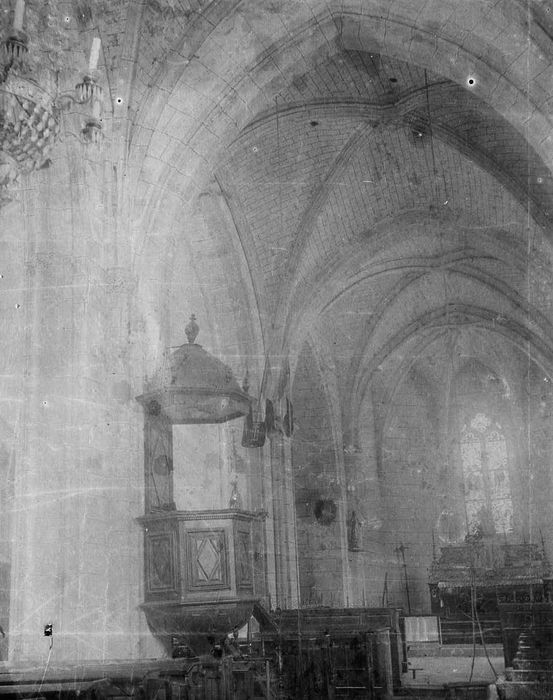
x,y
276,414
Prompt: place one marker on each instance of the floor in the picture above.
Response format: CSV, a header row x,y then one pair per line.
x,y
437,670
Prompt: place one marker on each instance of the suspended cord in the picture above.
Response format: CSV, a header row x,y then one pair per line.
x,y
435,171
437,195
46,665
476,622
496,675
431,134
473,620
529,243
298,618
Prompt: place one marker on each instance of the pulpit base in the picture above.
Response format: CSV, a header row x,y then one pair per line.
x,y
197,625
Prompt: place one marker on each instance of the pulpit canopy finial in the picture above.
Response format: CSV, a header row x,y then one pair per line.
x,y
192,329
193,386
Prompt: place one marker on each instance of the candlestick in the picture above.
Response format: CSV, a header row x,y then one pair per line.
x,y
18,15
94,53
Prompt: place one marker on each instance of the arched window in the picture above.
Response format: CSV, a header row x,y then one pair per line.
x,y
488,502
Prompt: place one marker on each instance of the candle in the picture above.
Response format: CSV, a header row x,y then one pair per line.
x,y
96,108
94,53
97,102
18,15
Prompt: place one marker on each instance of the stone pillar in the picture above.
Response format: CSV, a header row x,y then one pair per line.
x,y
77,559
77,553
367,564
284,523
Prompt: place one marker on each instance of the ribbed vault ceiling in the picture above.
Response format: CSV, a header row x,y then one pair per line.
x,y
382,206
290,154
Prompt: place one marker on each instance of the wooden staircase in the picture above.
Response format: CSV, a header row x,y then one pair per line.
x,y
531,675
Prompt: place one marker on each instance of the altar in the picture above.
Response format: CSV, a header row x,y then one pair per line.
x,y
469,581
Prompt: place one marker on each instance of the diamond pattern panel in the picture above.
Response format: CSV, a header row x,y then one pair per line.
x,y
208,559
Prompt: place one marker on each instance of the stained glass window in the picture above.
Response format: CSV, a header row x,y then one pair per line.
x,y
488,500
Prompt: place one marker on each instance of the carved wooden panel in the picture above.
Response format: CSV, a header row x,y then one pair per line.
x,y
207,559
160,562
243,559
158,460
